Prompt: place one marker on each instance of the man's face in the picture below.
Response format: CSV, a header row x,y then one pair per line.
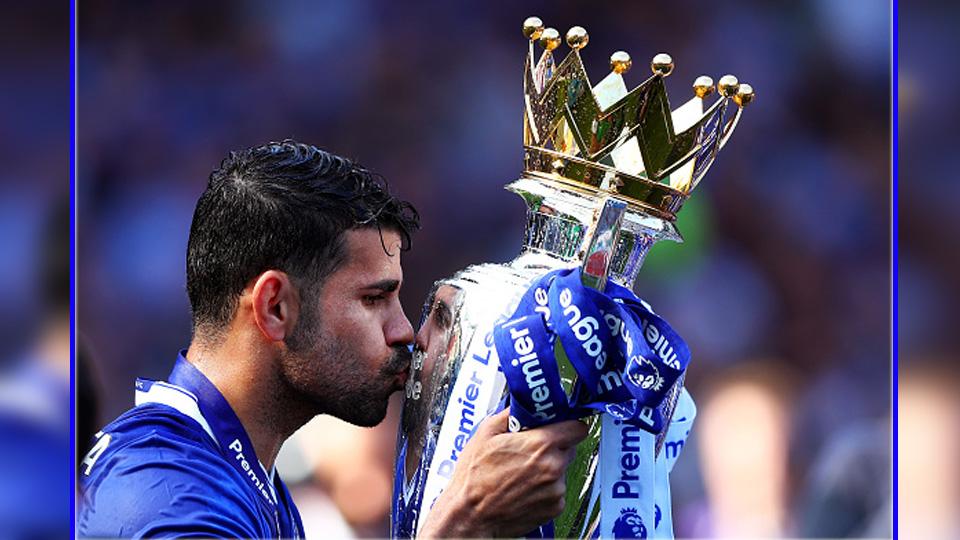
x,y
349,352
436,339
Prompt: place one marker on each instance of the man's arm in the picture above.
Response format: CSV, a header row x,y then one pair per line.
x,y
506,484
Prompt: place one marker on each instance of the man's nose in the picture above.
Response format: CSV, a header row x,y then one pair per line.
x,y
422,341
400,331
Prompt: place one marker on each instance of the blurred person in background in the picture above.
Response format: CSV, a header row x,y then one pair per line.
x,y
928,415
848,493
35,232
35,406
928,474
742,439
293,274
348,474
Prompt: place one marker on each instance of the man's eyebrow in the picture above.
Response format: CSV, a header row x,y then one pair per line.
x,y
385,285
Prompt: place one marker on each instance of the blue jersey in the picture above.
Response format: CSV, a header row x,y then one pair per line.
x,y
180,464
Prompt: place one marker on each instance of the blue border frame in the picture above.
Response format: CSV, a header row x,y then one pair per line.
x,y
894,243
73,261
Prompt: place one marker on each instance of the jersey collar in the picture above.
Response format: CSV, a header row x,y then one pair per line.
x,y
191,393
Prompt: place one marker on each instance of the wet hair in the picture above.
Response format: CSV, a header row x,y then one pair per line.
x,y
281,206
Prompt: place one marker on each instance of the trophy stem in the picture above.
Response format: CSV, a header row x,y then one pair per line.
x,y
562,222
606,237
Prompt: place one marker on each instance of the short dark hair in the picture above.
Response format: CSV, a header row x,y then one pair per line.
x,y
282,206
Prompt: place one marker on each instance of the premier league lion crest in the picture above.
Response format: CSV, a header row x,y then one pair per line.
x,y
623,411
629,525
644,373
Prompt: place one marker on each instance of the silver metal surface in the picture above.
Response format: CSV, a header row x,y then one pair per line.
x,y
462,310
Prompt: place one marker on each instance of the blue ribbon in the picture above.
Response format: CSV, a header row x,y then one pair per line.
x,y
626,357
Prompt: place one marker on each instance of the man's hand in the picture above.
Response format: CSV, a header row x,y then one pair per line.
x,y
506,484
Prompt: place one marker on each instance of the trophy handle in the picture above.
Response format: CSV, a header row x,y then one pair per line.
x,y
601,243
603,240
580,514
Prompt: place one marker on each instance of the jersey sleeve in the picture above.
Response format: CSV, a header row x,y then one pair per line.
x,y
163,487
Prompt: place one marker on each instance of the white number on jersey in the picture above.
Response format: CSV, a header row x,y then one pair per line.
x,y
93,455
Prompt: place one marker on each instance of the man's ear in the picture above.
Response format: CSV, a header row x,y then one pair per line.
x,y
275,304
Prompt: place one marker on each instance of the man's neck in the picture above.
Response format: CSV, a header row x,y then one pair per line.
x,y
247,377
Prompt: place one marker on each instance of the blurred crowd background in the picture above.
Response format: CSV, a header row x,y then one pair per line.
x,y
928,443
35,412
781,290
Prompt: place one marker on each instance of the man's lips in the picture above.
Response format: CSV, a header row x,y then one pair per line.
x,y
402,357
401,378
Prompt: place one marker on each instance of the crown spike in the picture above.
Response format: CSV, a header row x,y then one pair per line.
x,y
703,86
532,28
662,64
550,39
744,96
602,137
577,38
620,62
728,86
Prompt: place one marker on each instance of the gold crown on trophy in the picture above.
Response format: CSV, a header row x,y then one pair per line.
x,y
604,138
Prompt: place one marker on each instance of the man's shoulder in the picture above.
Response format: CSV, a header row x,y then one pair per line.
x,y
155,470
157,419
146,435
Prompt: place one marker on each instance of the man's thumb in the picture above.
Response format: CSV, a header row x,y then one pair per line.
x,y
495,424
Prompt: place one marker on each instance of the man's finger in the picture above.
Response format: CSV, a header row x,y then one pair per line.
x,y
566,433
495,423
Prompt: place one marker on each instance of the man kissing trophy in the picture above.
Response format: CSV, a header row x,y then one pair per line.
x,y
557,333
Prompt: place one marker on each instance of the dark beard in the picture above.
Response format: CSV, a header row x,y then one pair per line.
x,y
364,403
319,370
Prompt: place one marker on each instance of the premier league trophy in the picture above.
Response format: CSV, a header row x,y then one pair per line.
x,y
557,333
